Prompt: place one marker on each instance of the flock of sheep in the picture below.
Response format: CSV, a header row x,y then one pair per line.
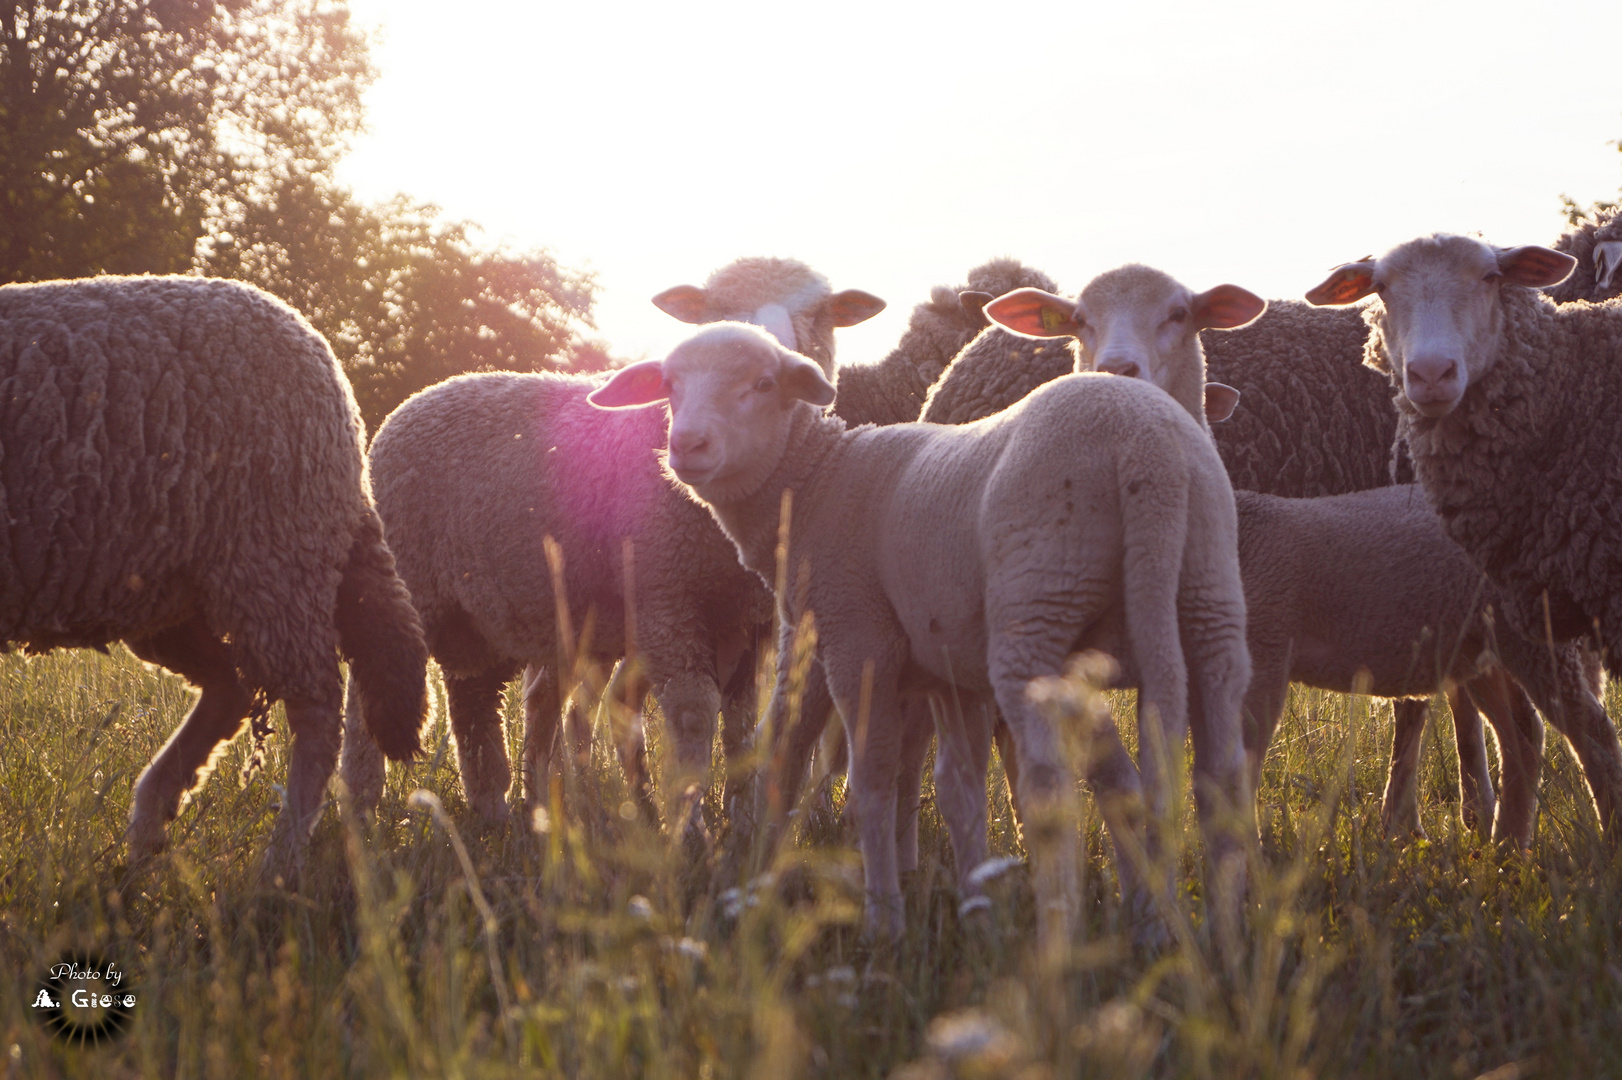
x,y
1215,491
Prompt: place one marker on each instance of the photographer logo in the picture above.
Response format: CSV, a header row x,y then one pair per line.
x,y
84,999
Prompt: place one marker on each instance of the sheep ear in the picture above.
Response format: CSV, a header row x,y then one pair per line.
x,y
1607,261
687,302
804,380
973,303
1535,267
1220,399
853,306
1034,313
1346,284
1226,307
632,387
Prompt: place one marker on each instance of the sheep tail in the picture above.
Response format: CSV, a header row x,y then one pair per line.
x,y
380,636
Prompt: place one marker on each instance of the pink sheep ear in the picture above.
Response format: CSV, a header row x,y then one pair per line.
x,y
1034,313
1535,267
1226,307
632,387
687,302
853,306
1220,399
1346,284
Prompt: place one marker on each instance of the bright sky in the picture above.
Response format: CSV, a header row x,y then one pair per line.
x,y
893,146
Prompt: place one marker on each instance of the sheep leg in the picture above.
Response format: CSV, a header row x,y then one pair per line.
x,y
1399,809
793,742
865,691
963,729
362,766
191,651
917,730
1264,700
540,734
738,703
1219,669
1477,802
317,734
628,731
1560,688
481,747
1519,730
690,701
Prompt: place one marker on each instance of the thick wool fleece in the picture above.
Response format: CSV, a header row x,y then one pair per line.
x,y
893,391
1579,242
173,448
1524,471
1311,420
548,464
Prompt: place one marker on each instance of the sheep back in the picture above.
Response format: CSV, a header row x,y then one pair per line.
x,y
170,447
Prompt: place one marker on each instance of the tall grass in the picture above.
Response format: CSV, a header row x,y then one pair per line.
x,y
586,943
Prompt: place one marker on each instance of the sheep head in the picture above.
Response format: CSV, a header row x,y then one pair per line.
x,y
1440,315
732,388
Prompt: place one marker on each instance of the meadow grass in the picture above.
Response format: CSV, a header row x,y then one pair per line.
x,y
589,944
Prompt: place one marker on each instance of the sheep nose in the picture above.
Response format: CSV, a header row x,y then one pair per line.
x,y
686,442
1432,372
1118,365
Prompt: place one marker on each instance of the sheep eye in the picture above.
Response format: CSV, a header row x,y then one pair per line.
x,y
1492,276
765,384
1178,315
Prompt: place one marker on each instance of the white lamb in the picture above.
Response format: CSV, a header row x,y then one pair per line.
x,y
972,560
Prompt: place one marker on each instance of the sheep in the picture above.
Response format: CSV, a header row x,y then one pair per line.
x,y
474,474
969,568
1596,244
181,469
1506,403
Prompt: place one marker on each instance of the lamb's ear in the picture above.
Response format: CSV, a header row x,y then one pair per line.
x,y
1034,313
803,379
1346,284
687,302
1535,267
1607,261
973,303
1226,307
632,387
1220,399
853,306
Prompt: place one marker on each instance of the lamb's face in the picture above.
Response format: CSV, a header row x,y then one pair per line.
x,y
1441,319
731,390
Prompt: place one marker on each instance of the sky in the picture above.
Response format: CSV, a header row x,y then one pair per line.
x,y
894,146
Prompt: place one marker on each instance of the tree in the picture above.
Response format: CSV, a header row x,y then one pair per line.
x,y
179,135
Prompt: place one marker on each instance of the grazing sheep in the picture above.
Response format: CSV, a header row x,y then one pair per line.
x,y
474,474
181,469
973,559
1507,404
1596,244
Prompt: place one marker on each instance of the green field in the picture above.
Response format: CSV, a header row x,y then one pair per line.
x,y
598,948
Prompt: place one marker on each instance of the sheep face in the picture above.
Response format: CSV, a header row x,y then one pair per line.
x,y
731,389
1441,318
1138,322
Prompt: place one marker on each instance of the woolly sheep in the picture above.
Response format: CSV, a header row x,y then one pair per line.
x,y
474,474
1507,405
1005,581
181,469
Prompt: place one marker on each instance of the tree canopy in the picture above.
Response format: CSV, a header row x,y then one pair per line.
x,y
170,136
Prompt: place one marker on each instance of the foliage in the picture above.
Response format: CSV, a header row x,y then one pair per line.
x,y
614,958
195,135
